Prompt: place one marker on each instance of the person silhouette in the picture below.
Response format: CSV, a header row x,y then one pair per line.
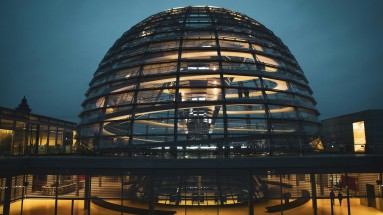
x,y
340,197
332,197
240,93
246,92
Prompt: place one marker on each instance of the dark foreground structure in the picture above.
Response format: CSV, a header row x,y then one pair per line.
x,y
264,185
194,110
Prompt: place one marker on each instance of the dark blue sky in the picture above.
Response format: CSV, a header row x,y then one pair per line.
x,y
49,50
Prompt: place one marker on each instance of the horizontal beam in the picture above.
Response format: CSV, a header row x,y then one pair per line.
x,y
321,163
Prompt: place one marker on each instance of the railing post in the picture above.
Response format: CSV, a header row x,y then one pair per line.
x,y
251,191
313,192
348,195
7,195
87,193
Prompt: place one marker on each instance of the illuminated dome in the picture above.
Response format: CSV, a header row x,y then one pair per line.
x,y
199,82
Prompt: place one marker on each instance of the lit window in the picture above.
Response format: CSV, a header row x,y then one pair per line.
x,y
359,136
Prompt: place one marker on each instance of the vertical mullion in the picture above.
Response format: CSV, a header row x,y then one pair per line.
x,y
223,87
270,130
136,89
176,96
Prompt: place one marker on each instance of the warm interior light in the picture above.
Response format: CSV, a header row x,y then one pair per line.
x,y
359,136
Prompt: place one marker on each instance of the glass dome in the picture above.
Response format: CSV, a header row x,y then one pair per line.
x,y
197,82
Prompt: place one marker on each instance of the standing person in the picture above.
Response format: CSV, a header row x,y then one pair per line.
x,y
332,197
246,93
240,93
340,197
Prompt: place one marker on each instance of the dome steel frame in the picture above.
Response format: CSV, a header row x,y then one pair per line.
x,y
197,82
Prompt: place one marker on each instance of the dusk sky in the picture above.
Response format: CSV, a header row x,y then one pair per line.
x,y
49,50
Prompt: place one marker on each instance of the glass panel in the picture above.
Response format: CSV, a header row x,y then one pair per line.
x,y
162,115
209,55
284,112
240,93
237,56
152,127
305,102
140,139
60,136
120,99
116,128
90,130
132,60
246,125
200,81
254,110
200,94
65,207
153,83
284,127
275,84
52,135
142,127
43,134
90,116
6,139
161,56
106,187
199,43
93,104
233,44
151,96
300,89
5,123
134,50
230,66
198,66
296,192
232,36
308,114
241,81
114,141
35,206
119,109
267,60
199,35
167,35
159,69
164,46
126,73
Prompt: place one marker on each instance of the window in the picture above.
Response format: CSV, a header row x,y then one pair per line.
x,y
359,136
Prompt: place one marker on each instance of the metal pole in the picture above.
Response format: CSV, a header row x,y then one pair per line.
x,y
122,194
87,193
56,193
22,196
280,181
314,192
71,212
251,191
348,195
7,195
151,194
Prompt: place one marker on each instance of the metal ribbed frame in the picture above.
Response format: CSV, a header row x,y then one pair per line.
x,y
299,125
